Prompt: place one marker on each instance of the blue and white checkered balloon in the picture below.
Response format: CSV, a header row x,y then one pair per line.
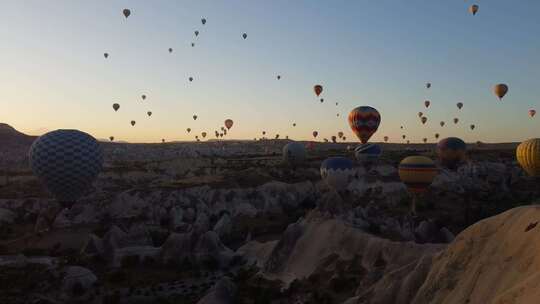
x,y
67,162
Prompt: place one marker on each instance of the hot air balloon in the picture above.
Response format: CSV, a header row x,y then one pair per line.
x,y
473,9
528,156
318,89
170,50
149,113
277,136
106,55
532,112
244,35
417,173
451,151
427,103
456,120
294,124
315,133
420,114
386,139
115,106
126,12
192,44
340,134
367,153
143,97
337,114
337,172
263,132
322,100
344,138
163,140
333,138
424,140
278,77
67,162
436,135
459,105
229,123
428,85
203,21
364,122
194,117
401,127
294,153
111,138
472,127
203,134
403,136
408,142
188,130
442,123
424,120
337,103
133,123
500,90
196,33
190,79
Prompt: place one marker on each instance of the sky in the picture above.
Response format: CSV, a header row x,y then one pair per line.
x,y
53,74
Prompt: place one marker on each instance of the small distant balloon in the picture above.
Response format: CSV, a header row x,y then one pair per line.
x,y
459,105
532,112
203,21
116,107
196,33
403,136
424,120
192,44
420,114
294,124
203,134
318,89
340,134
436,135
500,90
111,138
456,120
106,55
427,103
386,139
322,100
333,138
244,35
428,85
473,9
143,97
424,140
315,133
149,113
229,123
442,123
126,12
188,130
170,50
278,77
472,127
195,117
133,123
190,79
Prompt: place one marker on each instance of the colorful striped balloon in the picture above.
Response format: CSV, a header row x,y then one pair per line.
x,y
528,156
417,173
364,122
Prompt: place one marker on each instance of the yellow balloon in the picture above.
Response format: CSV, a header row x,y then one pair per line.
x,y
528,156
417,173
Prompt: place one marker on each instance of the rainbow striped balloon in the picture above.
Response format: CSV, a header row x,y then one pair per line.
x,y
417,173
364,122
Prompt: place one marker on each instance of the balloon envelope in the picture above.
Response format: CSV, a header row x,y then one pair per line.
x,y
500,90
126,12
532,112
364,122
229,123
116,106
337,172
294,153
318,89
451,151
67,162
427,103
528,156
473,9
417,173
367,152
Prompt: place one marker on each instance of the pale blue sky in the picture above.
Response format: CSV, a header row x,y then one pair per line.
x,y
379,53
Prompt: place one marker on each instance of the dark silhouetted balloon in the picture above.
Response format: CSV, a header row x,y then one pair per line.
x,y
126,12
229,123
67,162
133,123
451,151
473,9
106,55
337,172
203,21
500,90
116,106
149,113
318,89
